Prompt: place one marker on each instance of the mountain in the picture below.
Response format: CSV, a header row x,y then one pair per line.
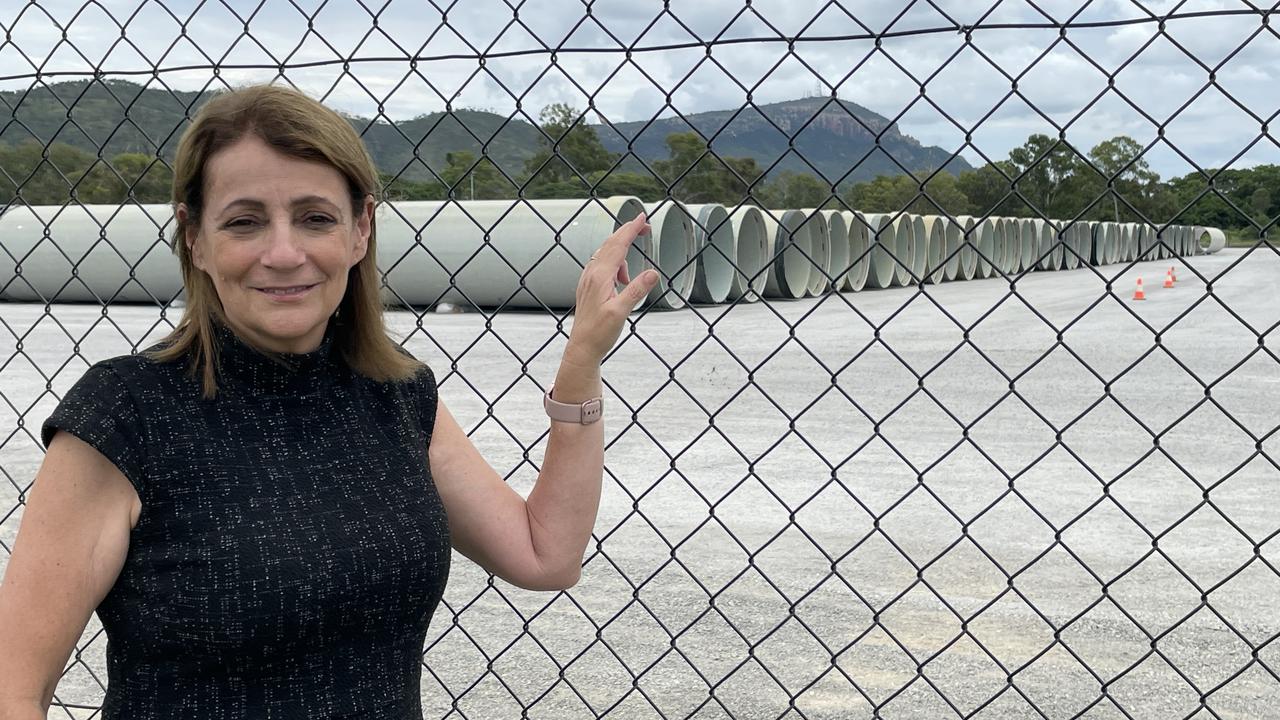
x,y
120,116
832,135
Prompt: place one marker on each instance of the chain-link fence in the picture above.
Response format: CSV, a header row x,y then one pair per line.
x,y
840,481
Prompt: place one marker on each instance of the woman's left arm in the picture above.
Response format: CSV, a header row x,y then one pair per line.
x,y
539,543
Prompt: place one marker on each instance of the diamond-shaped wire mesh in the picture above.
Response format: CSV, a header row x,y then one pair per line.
x,y
839,481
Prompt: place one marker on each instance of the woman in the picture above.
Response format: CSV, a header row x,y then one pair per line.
x,y
261,507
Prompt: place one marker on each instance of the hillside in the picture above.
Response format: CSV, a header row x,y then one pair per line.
x,y
90,116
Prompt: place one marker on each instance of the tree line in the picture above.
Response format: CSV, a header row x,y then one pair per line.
x,y
1044,176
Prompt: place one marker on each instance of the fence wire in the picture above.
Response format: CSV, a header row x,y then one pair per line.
x,y
1025,496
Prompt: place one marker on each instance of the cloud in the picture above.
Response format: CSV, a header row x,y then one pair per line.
x,y
1061,78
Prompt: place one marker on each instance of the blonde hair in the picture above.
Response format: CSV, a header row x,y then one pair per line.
x,y
298,126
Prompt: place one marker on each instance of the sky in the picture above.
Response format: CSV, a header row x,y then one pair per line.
x,y
709,55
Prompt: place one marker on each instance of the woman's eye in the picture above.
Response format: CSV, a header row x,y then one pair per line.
x,y
241,223
319,220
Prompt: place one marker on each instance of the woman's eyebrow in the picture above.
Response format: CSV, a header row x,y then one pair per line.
x,y
254,204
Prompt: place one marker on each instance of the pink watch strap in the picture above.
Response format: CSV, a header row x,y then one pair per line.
x,y
583,413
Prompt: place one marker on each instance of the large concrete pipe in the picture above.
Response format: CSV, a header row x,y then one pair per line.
x,y
522,232
1044,237
1146,242
984,235
790,247
1111,250
884,249
1013,245
714,265
859,250
1114,240
838,232
952,249
920,251
1167,237
1072,244
1030,244
1210,240
819,253
1011,234
998,246
983,238
1097,243
968,247
934,231
88,253
752,244
1186,248
905,249
676,248
1128,242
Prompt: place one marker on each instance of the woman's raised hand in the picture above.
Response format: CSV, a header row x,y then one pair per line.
x,y
600,308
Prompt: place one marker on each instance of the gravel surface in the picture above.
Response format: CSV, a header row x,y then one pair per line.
x,y
1072,514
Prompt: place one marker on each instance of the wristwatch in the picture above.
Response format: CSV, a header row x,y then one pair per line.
x,y
585,412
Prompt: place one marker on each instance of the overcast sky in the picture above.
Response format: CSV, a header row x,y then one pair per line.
x,y
1169,74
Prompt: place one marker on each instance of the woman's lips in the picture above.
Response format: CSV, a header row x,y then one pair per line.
x,y
292,292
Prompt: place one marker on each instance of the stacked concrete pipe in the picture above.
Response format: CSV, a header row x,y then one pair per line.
x,y
88,253
790,247
1072,241
838,231
859,250
1097,243
934,231
884,247
676,249
1112,253
983,237
1011,245
952,249
819,252
488,274
920,250
998,247
1030,244
968,269
752,244
713,233
905,236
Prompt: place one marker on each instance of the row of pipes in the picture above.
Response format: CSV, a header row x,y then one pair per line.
x,y
530,253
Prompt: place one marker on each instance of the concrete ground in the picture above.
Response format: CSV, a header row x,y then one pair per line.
x,y
1071,514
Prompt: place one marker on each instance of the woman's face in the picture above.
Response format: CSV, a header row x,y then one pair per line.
x,y
277,238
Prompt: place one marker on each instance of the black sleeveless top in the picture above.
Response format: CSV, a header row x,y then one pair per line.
x,y
291,548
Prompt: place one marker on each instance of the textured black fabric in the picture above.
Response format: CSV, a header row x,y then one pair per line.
x,y
291,547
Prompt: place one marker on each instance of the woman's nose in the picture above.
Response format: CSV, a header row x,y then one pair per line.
x,y
284,247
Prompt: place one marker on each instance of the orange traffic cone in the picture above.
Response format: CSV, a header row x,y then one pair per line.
x,y
1168,278
1139,295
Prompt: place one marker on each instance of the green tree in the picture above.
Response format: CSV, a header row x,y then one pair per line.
x,y
1260,204
573,152
698,176
55,175
469,179
402,188
1132,181
145,176
1043,171
795,190
987,190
